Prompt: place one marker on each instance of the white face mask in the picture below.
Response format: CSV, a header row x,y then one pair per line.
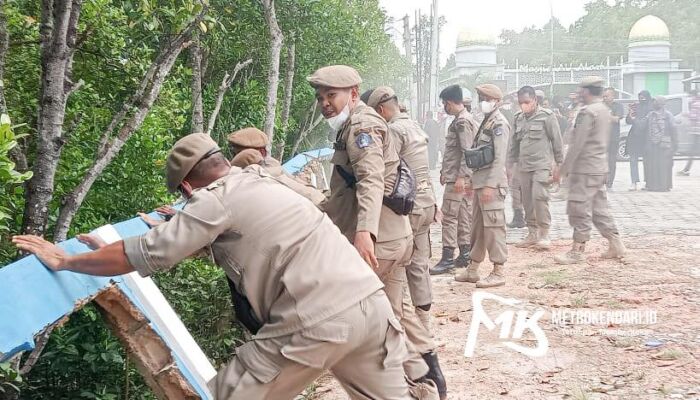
x,y
487,107
337,121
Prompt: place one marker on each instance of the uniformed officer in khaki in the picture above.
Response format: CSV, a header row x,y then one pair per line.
x,y
365,169
251,138
489,187
340,320
247,157
586,166
456,206
536,149
412,145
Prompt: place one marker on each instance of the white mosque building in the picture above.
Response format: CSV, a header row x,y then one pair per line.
x,y
648,65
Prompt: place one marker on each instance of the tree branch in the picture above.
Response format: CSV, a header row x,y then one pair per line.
x,y
288,92
196,86
276,38
223,88
128,119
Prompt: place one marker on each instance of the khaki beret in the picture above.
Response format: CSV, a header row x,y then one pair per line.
x,y
247,157
592,81
249,138
335,76
184,155
380,95
490,90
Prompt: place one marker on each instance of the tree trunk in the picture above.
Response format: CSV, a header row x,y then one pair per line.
x,y
276,38
59,20
223,88
128,119
288,92
196,65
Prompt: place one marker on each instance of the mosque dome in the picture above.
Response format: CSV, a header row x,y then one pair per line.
x,y
470,37
649,28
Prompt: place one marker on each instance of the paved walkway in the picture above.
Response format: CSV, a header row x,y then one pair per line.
x,y
636,213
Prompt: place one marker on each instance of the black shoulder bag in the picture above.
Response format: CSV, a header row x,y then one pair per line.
x,y
480,156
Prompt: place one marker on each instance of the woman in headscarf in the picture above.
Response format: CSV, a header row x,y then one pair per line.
x,y
660,147
636,139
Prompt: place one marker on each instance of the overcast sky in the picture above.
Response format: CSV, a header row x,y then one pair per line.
x,y
485,15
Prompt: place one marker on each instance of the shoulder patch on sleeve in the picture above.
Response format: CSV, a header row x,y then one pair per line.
x,y
498,131
363,139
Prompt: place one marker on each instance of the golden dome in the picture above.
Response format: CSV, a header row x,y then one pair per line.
x,y
471,37
649,28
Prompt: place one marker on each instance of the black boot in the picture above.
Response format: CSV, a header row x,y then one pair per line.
x,y
463,259
446,263
435,373
518,220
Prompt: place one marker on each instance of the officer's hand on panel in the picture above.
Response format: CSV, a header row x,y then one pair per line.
x,y
150,221
365,246
166,210
48,253
91,241
487,195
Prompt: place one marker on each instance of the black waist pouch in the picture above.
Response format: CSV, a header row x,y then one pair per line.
x,y
243,309
403,197
479,157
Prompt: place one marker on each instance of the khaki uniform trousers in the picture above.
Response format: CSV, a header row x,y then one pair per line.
x,y
417,271
515,188
362,346
456,217
534,186
588,204
489,229
393,256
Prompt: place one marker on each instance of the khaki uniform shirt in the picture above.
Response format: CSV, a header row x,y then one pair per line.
x,y
364,148
587,152
412,145
536,141
460,136
281,252
282,176
494,129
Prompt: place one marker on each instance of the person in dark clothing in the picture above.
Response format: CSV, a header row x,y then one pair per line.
x,y
660,147
636,140
617,112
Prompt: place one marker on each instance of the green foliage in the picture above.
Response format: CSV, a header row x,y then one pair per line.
x,y
10,380
9,178
118,41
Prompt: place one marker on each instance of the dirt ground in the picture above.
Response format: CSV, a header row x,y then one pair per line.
x,y
659,360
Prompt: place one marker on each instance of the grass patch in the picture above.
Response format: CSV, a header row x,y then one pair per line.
x,y
554,279
579,301
669,355
578,393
